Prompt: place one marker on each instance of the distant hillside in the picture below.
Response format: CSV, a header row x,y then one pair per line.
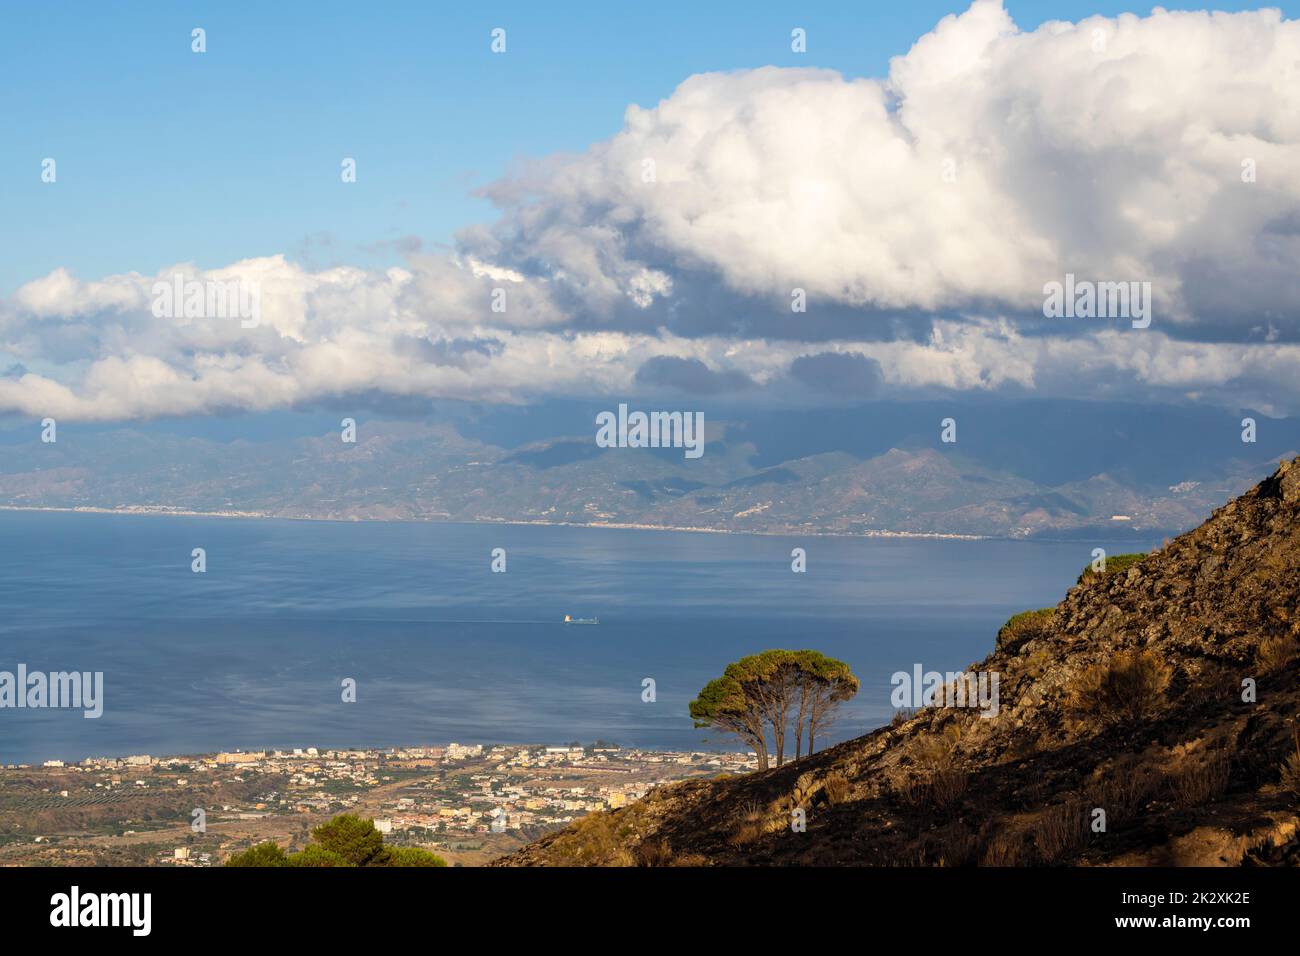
x,y
1126,698
400,471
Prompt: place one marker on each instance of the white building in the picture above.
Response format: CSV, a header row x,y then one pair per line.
x,y
457,752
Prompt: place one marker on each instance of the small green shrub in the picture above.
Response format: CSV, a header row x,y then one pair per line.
x,y
351,837
412,856
315,855
1025,627
346,840
1114,564
264,854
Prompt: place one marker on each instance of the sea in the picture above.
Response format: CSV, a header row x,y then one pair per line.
x,y
257,650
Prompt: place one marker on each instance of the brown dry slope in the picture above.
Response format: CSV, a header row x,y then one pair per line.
x,y
1127,698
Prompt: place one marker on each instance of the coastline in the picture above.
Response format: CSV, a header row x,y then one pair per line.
x,y
236,755
165,511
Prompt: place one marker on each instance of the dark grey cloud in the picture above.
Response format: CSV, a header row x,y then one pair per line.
x,y
689,375
842,374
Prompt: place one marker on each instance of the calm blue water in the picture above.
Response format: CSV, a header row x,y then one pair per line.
x,y
252,653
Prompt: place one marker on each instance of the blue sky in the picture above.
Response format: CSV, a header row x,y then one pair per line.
x,y
1153,151
167,156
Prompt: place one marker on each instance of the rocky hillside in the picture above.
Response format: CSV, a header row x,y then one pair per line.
x,y
1131,697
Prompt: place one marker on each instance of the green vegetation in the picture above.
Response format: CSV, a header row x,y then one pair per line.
x,y
778,689
315,855
354,839
264,854
1114,564
347,840
1025,627
413,856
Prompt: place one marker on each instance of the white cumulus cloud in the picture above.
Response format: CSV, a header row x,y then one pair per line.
x,y
921,213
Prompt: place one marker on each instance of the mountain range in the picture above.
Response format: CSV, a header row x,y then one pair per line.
x,y
1047,469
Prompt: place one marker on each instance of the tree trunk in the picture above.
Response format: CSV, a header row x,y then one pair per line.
x,y
758,740
798,727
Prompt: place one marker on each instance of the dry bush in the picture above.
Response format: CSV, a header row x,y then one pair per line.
x,y
1004,848
938,781
837,788
902,715
1036,663
654,853
953,845
1022,745
1032,794
932,752
595,840
753,824
1276,653
1061,831
938,788
1123,689
912,789
1290,769
1279,560
1124,791
690,859
947,786
1202,780
911,856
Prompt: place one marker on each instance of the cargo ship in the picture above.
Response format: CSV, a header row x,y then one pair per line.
x,y
581,620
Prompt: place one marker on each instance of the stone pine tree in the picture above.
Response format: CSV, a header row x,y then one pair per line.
x,y
772,690
346,840
826,684
724,705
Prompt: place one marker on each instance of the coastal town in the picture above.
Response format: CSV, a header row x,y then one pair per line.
x,y
469,803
